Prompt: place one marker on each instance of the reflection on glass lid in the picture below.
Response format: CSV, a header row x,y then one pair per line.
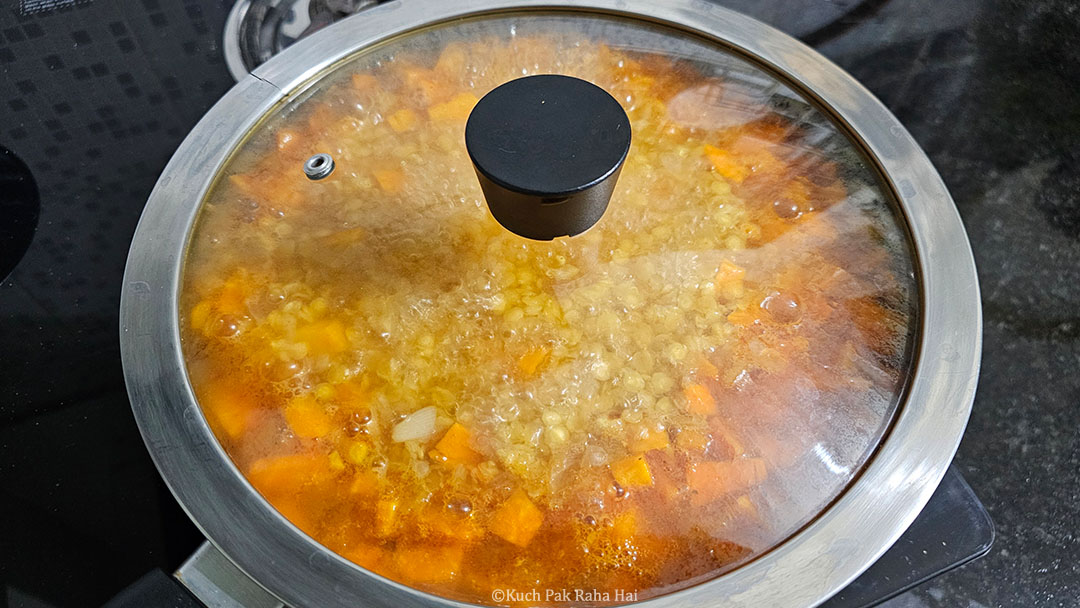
x,y
637,408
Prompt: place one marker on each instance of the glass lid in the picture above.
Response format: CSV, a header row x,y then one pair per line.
x,y
618,414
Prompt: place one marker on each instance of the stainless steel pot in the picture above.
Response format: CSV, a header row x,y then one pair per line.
x,y
803,571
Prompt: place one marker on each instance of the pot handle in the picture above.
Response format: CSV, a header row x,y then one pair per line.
x,y
218,583
206,580
155,588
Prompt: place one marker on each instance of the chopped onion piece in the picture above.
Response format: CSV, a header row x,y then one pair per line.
x,y
417,425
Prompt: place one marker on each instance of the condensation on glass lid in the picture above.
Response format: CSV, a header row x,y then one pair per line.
x,y
641,407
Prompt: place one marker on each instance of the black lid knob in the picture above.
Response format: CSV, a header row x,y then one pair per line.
x,y
547,151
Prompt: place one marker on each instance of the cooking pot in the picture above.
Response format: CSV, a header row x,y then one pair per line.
x,y
884,490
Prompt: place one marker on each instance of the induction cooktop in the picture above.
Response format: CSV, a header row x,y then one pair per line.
x,y
95,96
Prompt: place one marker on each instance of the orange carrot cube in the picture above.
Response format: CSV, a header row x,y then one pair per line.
x,y
532,360
632,472
742,317
692,440
643,439
699,400
324,337
386,516
229,408
452,61
455,446
713,480
517,520
729,280
390,180
457,108
726,437
728,165
307,417
403,120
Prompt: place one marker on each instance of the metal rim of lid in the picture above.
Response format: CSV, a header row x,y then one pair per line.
x,y
805,569
816,27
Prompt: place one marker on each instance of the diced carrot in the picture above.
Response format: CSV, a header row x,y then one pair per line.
x,y
754,152
324,337
531,361
770,228
268,188
692,440
353,393
364,555
200,314
232,299
643,439
403,120
818,228
668,485
452,59
390,180
457,108
707,370
455,446
712,480
752,471
285,475
699,400
771,132
365,483
742,316
357,452
878,325
726,438
516,520
632,472
744,504
729,272
290,482
797,192
421,564
230,406
307,418
424,85
729,280
440,523
386,516
337,463
728,165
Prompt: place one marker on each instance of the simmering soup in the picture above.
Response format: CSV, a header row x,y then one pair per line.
x,y
628,411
